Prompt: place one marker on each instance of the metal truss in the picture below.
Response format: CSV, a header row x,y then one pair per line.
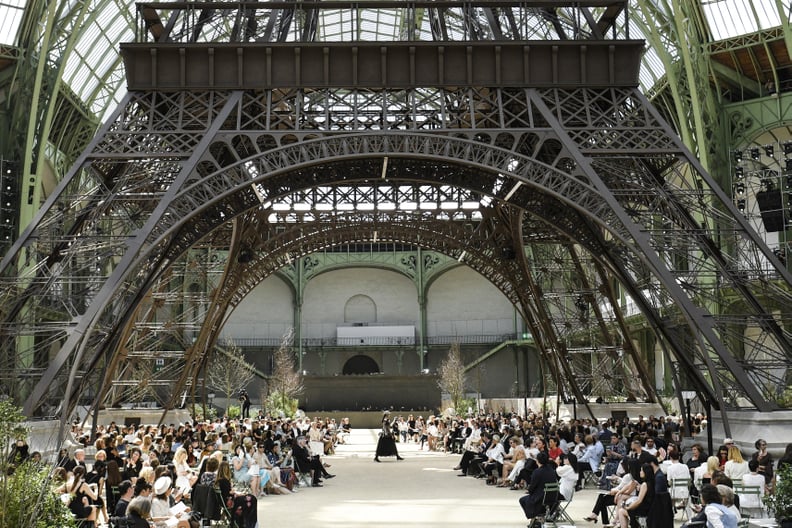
x,y
246,22
588,180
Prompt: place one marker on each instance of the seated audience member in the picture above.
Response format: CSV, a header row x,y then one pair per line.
x,y
82,496
567,472
143,488
728,499
533,502
513,461
245,507
126,492
735,467
138,512
278,460
626,488
753,478
161,505
475,449
675,471
715,514
77,460
493,466
307,463
615,452
132,465
590,459
630,509
185,478
209,475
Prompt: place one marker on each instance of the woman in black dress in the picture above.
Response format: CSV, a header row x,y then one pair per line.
x,y
386,445
82,498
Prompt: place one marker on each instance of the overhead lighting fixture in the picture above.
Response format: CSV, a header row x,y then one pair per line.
x,y
755,155
737,156
741,206
462,255
512,191
788,164
788,148
739,173
739,189
769,151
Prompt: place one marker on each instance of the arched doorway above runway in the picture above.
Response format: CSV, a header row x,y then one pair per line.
x,y
360,364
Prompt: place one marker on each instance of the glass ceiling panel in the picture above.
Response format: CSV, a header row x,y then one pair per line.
x,y
96,53
731,18
94,62
10,17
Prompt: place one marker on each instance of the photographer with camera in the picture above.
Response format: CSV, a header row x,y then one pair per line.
x,y
244,401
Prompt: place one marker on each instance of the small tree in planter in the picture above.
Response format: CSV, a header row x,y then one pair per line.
x,y
780,501
452,378
285,383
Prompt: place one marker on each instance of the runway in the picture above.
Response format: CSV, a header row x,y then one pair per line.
x,y
423,490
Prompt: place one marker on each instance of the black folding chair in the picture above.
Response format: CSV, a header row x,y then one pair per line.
x,y
207,502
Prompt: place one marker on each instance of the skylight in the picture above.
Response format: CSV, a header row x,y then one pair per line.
x,y
732,18
11,12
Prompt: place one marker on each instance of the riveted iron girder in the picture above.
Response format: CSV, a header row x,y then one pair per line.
x,y
597,164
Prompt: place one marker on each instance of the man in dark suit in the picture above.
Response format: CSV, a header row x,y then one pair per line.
x,y
304,462
78,460
534,502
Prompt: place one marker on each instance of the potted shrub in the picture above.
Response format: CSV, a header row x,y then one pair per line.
x,y
780,501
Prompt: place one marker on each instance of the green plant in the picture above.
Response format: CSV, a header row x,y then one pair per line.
x,y
784,398
780,501
234,411
280,404
28,501
25,495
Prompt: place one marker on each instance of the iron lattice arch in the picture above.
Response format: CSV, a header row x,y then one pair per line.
x,y
571,175
267,248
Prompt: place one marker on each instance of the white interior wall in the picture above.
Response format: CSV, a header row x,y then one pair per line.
x,y
326,295
266,312
460,302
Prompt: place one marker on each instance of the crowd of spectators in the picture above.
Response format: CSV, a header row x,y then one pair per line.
x,y
634,463
147,473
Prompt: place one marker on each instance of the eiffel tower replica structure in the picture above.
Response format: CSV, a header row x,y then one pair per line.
x,y
246,125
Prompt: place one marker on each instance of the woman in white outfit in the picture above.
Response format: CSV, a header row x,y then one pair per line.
x,y
735,466
567,475
185,478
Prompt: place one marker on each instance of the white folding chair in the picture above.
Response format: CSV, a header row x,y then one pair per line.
x,y
679,489
751,503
